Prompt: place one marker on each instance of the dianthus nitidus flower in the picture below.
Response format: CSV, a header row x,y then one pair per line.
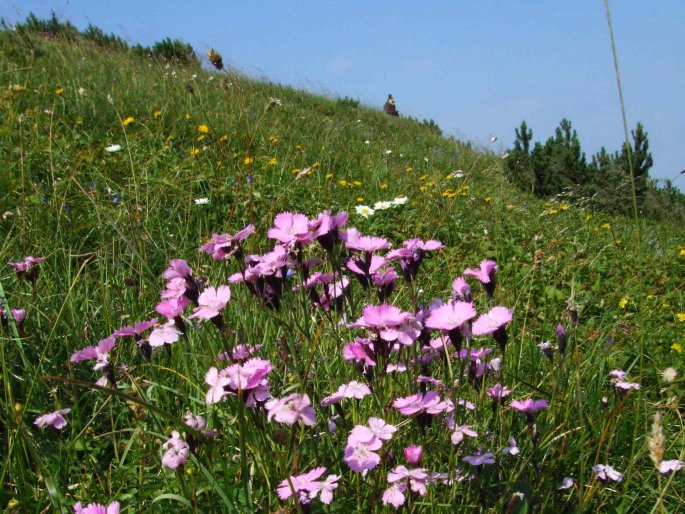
x,y
96,508
479,460
493,323
485,275
291,409
606,473
27,268
176,451
306,487
53,419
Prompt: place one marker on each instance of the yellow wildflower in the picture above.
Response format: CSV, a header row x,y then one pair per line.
x,y
563,207
624,301
488,199
316,165
79,121
682,252
677,347
273,139
223,138
329,175
169,137
383,186
296,170
194,151
200,137
356,183
128,121
272,161
203,129
298,147
157,114
588,217
409,168
187,116
248,160
423,177
343,183
360,199
607,226
59,90
552,211
680,316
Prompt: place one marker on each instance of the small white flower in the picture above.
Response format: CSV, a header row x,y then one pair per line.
x,y
47,111
201,201
457,174
367,142
303,173
194,76
380,206
400,200
388,152
110,99
113,148
364,210
81,91
359,121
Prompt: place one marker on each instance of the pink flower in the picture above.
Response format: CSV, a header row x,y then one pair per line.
x,y
99,353
381,429
389,322
217,382
460,431
164,334
492,321
248,375
54,419
326,228
211,301
225,245
511,449
450,316
413,454
606,473
135,331
178,269
326,489
461,290
291,409
412,255
176,451
289,227
352,390
499,392
354,240
360,457
359,350
172,307
96,508
618,374
670,466
394,495
479,460
417,478
485,273
305,482
416,403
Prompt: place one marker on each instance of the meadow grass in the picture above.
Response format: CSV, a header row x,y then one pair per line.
x,y
108,223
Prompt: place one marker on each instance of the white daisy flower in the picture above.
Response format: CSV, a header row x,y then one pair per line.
x,y
400,200
364,210
380,206
113,148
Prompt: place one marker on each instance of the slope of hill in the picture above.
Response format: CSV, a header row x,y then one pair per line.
x,y
113,164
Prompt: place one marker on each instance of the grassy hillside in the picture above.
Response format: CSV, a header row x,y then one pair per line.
x,y
200,153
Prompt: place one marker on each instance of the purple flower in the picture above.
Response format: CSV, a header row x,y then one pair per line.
x,y
528,406
389,322
566,483
326,228
96,508
479,460
494,322
54,419
360,457
606,473
173,307
499,392
291,409
178,269
326,488
354,240
450,316
176,451
561,339
135,331
99,353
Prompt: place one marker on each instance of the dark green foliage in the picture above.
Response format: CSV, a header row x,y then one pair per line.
x,y
348,102
559,167
430,124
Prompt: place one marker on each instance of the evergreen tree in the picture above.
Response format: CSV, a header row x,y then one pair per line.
x,y
640,157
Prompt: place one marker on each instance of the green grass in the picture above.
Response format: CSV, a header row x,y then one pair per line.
x,y
108,224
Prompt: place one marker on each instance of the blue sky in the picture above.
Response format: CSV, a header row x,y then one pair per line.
x,y
476,67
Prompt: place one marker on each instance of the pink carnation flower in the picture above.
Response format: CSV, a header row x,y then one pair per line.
x,y
528,406
99,353
450,316
394,495
289,228
96,508
479,460
164,334
670,466
606,473
54,419
492,321
211,301
460,431
291,409
176,451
